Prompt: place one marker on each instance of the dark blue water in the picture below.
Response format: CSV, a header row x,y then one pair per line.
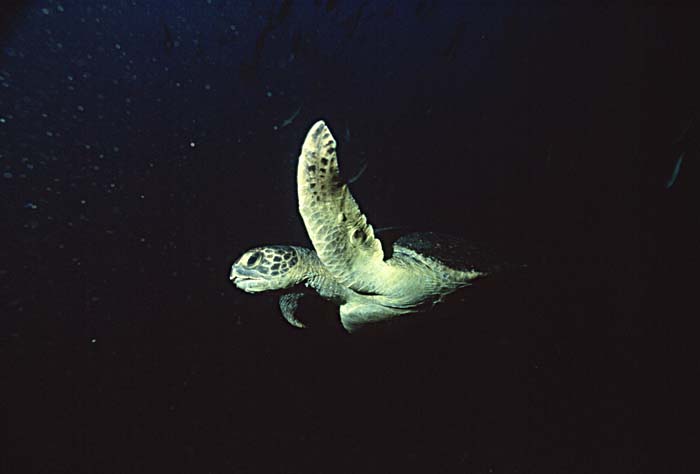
x,y
144,145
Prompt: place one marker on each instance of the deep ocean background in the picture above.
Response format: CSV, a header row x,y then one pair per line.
x,y
144,145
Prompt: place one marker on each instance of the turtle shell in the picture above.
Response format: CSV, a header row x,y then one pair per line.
x,y
454,252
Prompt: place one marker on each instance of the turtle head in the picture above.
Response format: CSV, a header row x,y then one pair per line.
x,y
273,267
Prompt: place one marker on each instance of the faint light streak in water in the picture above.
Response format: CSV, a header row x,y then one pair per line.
x,y
676,170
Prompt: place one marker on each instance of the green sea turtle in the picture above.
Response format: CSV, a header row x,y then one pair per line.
x,y
347,264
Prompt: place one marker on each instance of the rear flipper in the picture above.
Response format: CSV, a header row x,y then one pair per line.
x,y
355,317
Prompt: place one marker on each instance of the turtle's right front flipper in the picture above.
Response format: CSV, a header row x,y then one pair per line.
x,y
288,304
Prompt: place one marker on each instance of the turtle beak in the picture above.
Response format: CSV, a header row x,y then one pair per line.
x,y
240,280
235,275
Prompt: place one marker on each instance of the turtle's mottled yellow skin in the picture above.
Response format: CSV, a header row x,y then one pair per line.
x,y
348,265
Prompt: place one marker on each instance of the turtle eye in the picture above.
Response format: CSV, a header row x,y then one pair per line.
x,y
253,259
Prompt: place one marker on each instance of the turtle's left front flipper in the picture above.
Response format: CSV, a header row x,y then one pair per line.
x,y
344,241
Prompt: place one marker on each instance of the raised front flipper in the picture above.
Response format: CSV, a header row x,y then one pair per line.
x,y
344,241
